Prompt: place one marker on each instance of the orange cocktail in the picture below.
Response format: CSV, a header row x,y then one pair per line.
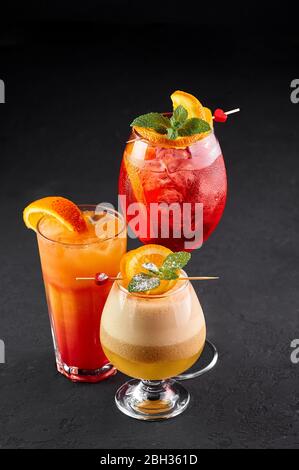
x,y
75,307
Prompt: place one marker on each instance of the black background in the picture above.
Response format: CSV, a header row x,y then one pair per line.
x,y
76,75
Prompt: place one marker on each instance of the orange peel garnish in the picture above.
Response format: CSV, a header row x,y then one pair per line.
x,y
63,210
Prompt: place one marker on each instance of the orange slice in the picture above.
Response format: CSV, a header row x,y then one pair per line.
x,y
162,141
133,176
132,263
194,109
58,207
190,103
208,117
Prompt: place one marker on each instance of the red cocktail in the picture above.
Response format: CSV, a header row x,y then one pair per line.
x,y
177,180
173,176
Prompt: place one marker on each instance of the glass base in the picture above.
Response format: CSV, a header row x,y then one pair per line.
x,y
152,400
206,362
86,375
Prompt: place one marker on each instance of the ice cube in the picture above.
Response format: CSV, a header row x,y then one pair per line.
x,y
154,182
205,152
183,181
93,218
170,195
106,227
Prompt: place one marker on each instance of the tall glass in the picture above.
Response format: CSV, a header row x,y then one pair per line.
x,y
153,338
191,180
75,307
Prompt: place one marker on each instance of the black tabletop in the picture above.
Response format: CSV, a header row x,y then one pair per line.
x,y
70,95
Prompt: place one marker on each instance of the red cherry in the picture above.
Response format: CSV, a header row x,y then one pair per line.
x,y
101,278
219,115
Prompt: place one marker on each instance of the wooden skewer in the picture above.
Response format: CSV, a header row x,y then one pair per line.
x,y
191,278
111,278
198,278
236,110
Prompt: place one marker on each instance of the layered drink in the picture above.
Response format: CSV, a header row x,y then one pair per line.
x,y
152,329
75,242
153,337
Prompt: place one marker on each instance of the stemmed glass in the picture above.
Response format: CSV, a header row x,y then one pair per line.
x,y
171,186
153,338
185,183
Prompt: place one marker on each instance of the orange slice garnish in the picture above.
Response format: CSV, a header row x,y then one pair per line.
x,y
132,263
63,210
190,103
162,141
134,178
194,109
208,117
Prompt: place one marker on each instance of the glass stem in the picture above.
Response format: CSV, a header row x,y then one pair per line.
x,y
153,388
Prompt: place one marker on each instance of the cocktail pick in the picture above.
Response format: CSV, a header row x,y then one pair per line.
x,y
221,116
102,278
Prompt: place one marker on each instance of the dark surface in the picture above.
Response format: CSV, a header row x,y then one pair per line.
x,y
70,98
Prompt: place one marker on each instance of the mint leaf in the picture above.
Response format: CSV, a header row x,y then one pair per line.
x,y
180,114
176,261
143,282
155,121
174,124
167,274
194,126
178,117
172,133
151,267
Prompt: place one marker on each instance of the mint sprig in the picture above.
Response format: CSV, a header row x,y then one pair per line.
x,y
177,126
143,282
